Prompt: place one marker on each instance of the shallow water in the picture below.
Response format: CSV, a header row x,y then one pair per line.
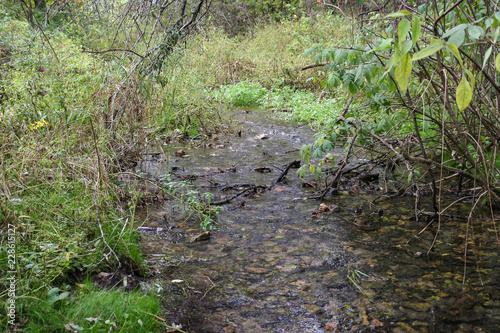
x,y
278,263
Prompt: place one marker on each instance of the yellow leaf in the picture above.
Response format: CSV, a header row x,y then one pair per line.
x,y
464,94
497,62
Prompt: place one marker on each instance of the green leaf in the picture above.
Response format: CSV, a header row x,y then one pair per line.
x,y
416,30
435,46
475,32
383,45
400,13
403,29
471,78
460,27
403,71
457,38
464,94
497,62
389,64
454,50
487,55
406,46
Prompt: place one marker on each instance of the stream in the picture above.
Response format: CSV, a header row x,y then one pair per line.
x,y
279,262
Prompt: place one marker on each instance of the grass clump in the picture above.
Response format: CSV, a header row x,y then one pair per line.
x,y
89,309
243,93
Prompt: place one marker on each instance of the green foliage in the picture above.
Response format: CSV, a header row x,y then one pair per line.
x,y
243,93
89,309
194,201
416,70
355,276
56,156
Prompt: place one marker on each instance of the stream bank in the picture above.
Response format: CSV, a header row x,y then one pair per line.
x,y
281,263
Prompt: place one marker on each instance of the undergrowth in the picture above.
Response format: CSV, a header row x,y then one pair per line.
x,y
58,202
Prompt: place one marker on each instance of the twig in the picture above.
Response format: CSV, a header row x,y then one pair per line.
x,y
231,198
102,232
314,65
113,50
163,322
152,315
284,173
212,287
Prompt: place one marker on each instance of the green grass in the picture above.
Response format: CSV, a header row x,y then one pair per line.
x,y
90,309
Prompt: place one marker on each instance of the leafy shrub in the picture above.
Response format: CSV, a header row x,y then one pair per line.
x,y
243,93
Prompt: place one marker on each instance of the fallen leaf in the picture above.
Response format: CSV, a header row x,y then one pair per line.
x,y
331,327
180,153
377,323
228,329
256,270
279,189
261,137
309,184
365,320
263,170
90,319
201,237
301,284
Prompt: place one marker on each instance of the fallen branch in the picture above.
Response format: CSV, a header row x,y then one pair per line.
x,y
284,173
231,198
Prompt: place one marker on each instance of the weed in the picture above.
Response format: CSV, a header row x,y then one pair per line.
x,y
194,201
354,276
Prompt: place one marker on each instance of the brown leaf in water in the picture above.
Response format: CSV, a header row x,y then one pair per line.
x,y
377,323
279,189
256,270
182,224
301,284
228,329
263,170
332,327
323,207
366,322
201,237
327,208
309,184
180,153
219,170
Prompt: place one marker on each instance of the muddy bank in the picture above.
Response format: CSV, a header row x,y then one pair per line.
x,y
281,263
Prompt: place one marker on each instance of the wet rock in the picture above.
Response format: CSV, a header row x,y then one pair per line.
x,y
312,308
419,307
